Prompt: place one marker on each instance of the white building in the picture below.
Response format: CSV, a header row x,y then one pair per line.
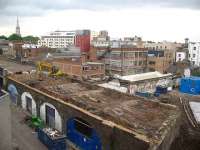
x,y
144,82
180,55
93,35
101,39
58,39
194,53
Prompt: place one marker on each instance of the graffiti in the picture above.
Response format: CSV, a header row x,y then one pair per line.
x,y
13,93
148,86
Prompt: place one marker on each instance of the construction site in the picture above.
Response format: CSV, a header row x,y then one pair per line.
x,y
92,117
107,119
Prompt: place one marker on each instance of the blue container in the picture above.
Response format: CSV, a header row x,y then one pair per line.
x,y
190,85
52,144
161,90
89,142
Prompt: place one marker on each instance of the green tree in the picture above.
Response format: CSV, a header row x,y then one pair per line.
x,y
3,37
31,39
14,37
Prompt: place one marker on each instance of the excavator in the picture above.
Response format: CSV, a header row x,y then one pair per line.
x,y
46,67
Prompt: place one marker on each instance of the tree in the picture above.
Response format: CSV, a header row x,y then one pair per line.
x,y
31,39
3,37
15,37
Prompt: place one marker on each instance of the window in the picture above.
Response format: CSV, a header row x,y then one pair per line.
x,y
152,62
179,55
29,104
194,48
135,63
189,55
50,117
194,55
83,127
140,54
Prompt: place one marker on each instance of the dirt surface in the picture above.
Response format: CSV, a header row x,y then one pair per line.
x,y
12,66
189,137
144,117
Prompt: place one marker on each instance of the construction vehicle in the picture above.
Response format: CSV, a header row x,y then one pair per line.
x,y
48,68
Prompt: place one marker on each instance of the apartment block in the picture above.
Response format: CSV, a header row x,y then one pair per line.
x,y
58,39
194,53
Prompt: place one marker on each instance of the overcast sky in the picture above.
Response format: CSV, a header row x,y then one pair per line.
x,y
157,20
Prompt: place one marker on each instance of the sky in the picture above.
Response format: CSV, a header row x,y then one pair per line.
x,y
155,20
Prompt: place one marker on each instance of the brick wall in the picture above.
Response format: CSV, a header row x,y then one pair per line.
x,y
112,137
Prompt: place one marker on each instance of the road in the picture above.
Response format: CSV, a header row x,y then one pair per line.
x,y
13,66
23,136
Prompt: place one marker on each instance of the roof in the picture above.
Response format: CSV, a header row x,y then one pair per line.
x,y
93,63
192,78
143,76
145,118
195,106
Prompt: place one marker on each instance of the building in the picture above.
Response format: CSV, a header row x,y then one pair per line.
x,y
181,55
171,46
18,28
133,41
58,39
142,83
95,117
194,53
82,40
81,68
93,35
102,40
165,45
121,61
4,47
159,60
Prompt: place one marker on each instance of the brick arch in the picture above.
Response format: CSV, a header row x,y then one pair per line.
x,y
24,102
58,118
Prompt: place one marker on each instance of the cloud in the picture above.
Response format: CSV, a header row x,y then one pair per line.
x,y
40,7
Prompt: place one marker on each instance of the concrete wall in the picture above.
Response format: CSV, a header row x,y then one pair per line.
x,y
111,136
5,123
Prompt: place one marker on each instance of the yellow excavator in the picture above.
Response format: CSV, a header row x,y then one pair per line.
x,y
43,66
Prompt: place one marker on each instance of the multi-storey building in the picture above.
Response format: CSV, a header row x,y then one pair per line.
x,y
82,40
121,61
194,53
172,46
58,39
102,40
181,55
93,35
159,60
4,47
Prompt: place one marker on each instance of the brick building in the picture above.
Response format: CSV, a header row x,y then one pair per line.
x,y
159,60
80,68
82,40
97,118
123,61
